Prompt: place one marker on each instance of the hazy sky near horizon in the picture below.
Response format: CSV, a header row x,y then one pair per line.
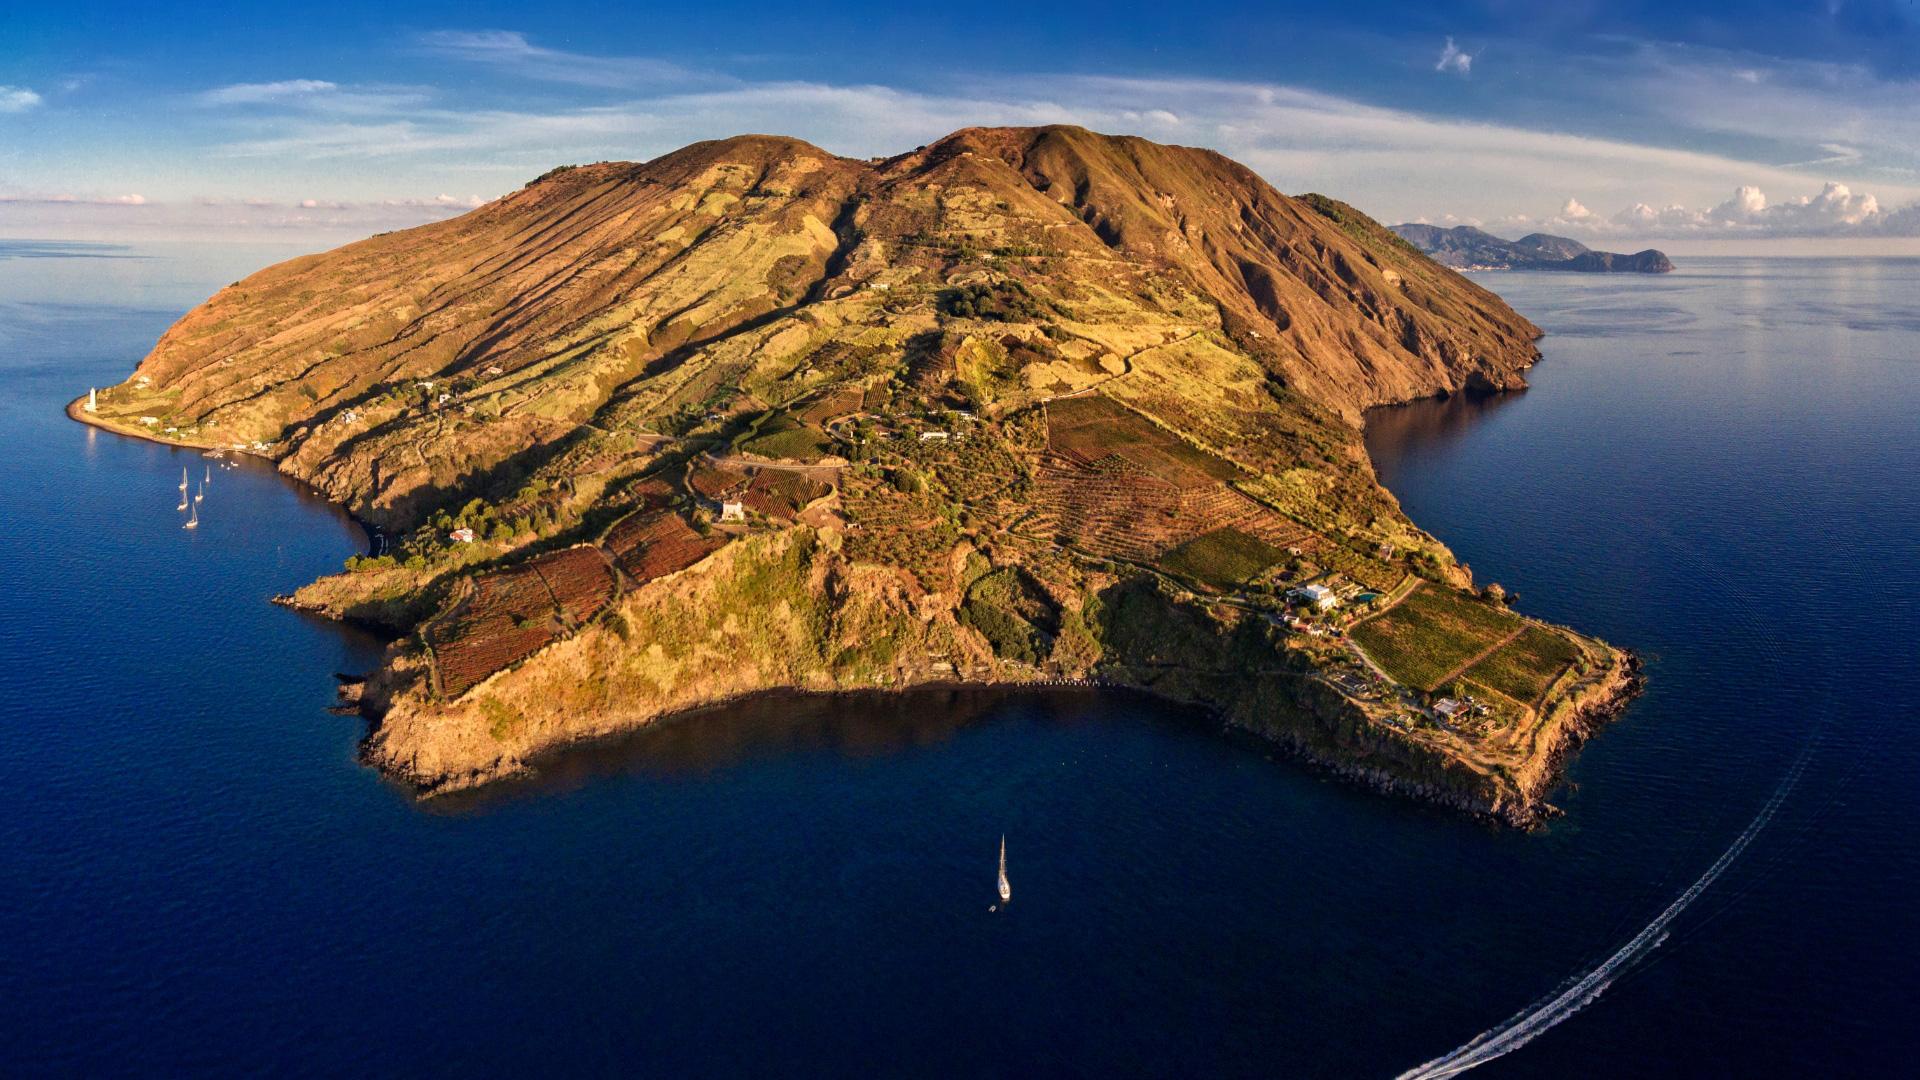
x,y
1677,123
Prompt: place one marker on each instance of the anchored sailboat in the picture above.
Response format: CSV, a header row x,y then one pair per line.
x,y
1006,890
183,479
193,519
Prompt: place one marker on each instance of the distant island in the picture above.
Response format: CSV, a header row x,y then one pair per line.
x,y
1467,248
1023,406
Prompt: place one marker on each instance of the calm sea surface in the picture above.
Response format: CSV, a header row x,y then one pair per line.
x,y
1716,468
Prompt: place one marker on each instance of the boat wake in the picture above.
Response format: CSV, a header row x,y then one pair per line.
x,y
1529,1023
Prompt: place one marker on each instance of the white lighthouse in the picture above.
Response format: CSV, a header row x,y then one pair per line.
x,y
93,399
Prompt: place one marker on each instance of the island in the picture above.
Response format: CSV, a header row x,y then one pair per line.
x,y
1464,247
1022,406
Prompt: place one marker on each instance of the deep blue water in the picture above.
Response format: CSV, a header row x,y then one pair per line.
x,y
1716,468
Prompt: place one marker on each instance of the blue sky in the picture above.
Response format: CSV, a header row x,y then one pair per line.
x,y
1691,125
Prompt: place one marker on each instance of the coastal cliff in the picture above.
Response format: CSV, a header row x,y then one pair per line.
x,y
1021,406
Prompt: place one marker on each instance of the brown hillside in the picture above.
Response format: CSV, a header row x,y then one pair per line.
x,y
1022,404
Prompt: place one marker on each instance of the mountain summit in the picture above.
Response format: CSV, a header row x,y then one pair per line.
x,y
1021,405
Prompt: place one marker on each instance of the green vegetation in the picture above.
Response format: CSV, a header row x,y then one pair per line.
x,y
1524,667
1223,558
781,435
503,720
1430,633
1014,614
1002,301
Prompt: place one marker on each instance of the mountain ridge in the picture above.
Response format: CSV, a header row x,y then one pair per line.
x,y
1466,247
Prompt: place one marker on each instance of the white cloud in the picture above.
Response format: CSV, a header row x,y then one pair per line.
x,y
17,99
1848,113
509,50
69,199
1835,212
1452,59
1835,154
266,93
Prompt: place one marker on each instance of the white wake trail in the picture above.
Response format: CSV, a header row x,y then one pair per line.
x,y
1526,1025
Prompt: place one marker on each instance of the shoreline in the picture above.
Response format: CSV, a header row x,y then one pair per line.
x,y
80,415
1596,707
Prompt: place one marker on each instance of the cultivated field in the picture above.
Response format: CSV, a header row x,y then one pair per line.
x,y
655,543
581,580
1426,637
1093,427
1524,667
506,617
1223,558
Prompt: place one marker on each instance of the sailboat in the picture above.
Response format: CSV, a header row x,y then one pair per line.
x,y
1006,890
183,479
201,494
207,479
193,519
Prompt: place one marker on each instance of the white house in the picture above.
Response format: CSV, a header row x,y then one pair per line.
x,y
733,511
461,536
1317,597
1448,709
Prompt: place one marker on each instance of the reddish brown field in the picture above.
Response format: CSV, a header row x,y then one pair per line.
x,y
655,543
581,580
1087,429
506,617
713,481
781,494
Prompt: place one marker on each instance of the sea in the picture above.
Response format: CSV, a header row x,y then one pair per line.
x,y
1717,468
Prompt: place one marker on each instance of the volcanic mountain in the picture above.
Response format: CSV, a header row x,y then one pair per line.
x,y
1021,405
1466,247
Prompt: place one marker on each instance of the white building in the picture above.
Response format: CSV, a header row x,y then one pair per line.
x,y
1317,597
733,511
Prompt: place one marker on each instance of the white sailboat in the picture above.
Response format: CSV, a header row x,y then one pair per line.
x,y
1006,890
183,479
193,519
198,495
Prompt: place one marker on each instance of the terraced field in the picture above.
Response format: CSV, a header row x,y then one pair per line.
x,y
1089,428
1110,509
780,494
581,580
655,543
506,617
